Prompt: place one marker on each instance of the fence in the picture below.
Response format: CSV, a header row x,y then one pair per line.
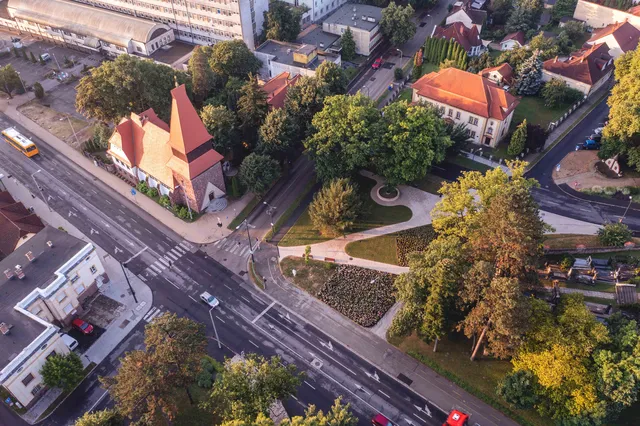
x,y
571,110
397,88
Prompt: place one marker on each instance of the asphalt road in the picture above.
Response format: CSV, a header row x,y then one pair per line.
x,y
246,320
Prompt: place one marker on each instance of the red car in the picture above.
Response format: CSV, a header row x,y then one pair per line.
x,y
82,325
377,64
380,420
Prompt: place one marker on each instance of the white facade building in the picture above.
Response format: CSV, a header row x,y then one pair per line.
x,y
296,59
364,22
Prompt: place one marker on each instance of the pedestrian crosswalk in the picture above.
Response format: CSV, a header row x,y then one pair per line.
x,y
153,313
238,248
167,260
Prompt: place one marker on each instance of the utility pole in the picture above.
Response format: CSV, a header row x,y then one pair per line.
x,y
33,176
246,224
133,293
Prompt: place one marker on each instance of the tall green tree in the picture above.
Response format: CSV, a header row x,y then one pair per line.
x,y
335,207
9,80
62,371
278,135
546,45
348,44
202,78
282,21
529,78
258,172
221,124
514,57
333,77
249,387
500,10
127,84
304,101
524,16
252,109
414,138
345,131
107,417
564,8
518,139
232,58
397,23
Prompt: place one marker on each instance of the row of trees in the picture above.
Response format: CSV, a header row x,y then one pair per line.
x,y
151,383
438,50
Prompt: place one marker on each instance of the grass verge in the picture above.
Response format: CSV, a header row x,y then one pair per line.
x,y
469,163
405,95
379,249
254,277
310,276
289,211
244,213
430,184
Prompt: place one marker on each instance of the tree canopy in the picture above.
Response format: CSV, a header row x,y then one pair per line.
x,y
202,78
221,124
232,58
335,207
397,23
258,172
62,371
108,417
348,44
282,21
9,80
333,77
278,135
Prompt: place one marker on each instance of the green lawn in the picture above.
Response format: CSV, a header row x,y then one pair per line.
x,y
379,249
532,108
428,67
430,183
468,163
405,95
373,215
351,73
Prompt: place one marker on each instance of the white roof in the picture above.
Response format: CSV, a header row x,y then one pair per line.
x,y
17,137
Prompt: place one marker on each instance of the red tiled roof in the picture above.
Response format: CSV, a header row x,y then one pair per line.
x,y
16,221
635,10
504,70
587,65
467,38
517,36
277,89
477,17
187,130
624,33
466,91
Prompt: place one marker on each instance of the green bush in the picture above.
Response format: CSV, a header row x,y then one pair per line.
x,y
152,192
142,187
625,191
38,90
597,189
567,262
398,74
181,211
610,190
236,190
164,201
207,371
614,234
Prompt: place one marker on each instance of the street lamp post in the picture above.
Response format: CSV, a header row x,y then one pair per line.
x,y
246,224
124,271
186,199
627,209
56,59
40,188
401,56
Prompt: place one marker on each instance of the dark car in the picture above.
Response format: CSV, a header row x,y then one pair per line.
x,y
81,325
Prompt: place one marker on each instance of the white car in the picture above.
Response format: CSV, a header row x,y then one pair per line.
x,y
209,299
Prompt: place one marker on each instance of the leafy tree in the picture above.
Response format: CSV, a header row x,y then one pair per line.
x,y
518,139
574,29
514,57
335,207
518,389
414,139
397,23
447,63
127,84
62,371
9,80
458,136
38,90
100,418
555,93
333,77
545,45
252,109
524,16
500,10
304,100
282,21
278,135
258,172
202,78
345,131
221,124
348,44
481,62
228,96
536,137
232,58
564,8
614,234
247,388
148,382
529,77
563,43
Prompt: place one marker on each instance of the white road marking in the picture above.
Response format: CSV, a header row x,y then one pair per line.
x,y
253,344
172,256
163,261
228,287
207,273
137,254
262,313
193,299
156,268
293,396
423,420
190,261
245,299
384,393
108,202
309,384
99,400
180,249
220,319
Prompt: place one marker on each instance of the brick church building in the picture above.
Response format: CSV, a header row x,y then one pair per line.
x,y
177,159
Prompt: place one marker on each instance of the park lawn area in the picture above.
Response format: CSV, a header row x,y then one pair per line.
x,y
469,163
373,215
379,249
532,108
405,95
430,184
428,67
351,72
480,377
569,241
310,276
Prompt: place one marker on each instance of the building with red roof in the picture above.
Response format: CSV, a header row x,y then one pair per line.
x,y
466,98
277,88
621,37
502,75
17,224
177,159
585,70
467,15
468,38
512,41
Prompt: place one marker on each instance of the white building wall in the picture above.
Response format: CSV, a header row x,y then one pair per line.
x,y
365,41
598,16
509,45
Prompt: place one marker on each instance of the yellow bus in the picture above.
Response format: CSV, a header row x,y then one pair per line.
x,y
20,142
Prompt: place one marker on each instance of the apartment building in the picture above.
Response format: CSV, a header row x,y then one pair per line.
x,y
42,288
316,9
295,59
197,21
364,22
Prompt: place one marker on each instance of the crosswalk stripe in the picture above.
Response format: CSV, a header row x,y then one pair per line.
x,y
224,246
163,261
234,249
149,313
168,259
178,251
156,268
155,314
151,272
185,245
241,252
220,241
171,255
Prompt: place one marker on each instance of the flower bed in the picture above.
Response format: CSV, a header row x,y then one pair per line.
x,y
363,295
413,240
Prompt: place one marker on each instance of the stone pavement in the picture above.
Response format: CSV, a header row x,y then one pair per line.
x,y
116,289
204,230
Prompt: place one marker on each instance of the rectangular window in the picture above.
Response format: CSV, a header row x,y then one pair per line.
x,y
450,112
35,390
68,308
60,297
80,289
27,379
53,353
458,115
93,269
470,120
473,134
75,278
475,121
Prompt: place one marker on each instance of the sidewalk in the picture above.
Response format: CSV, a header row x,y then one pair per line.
x,y
116,289
204,230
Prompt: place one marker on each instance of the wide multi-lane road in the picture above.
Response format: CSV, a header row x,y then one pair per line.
x,y
178,272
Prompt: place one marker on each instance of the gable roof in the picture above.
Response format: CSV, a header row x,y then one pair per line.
x,y
517,36
477,17
466,37
466,91
505,70
587,65
187,132
277,88
625,34
16,222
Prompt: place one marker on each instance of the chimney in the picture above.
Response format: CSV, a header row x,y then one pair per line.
x,y
19,272
50,244
555,59
30,256
9,274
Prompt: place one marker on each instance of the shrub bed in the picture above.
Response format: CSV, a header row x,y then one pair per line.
x,y
413,240
363,295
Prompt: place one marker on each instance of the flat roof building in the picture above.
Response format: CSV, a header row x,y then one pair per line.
x,y
364,22
296,59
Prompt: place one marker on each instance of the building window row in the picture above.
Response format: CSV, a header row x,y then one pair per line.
x,y
473,121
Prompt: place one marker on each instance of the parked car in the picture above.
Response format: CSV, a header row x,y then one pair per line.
x,y
69,341
45,57
82,326
380,420
377,63
209,299
592,142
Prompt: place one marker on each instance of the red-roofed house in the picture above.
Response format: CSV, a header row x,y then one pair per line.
x,y
177,159
502,75
17,224
469,99
512,41
467,15
469,39
585,70
277,89
620,37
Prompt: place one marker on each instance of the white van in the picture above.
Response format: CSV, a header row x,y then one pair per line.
x,y
45,57
69,341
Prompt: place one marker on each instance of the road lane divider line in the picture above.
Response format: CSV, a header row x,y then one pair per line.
x,y
253,343
309,384
220,319
384,394
98,401
261,314
193,299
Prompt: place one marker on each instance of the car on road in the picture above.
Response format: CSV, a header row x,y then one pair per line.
x,y
69,341
209,299
380,420
457,418
82,326
592,143
377,64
